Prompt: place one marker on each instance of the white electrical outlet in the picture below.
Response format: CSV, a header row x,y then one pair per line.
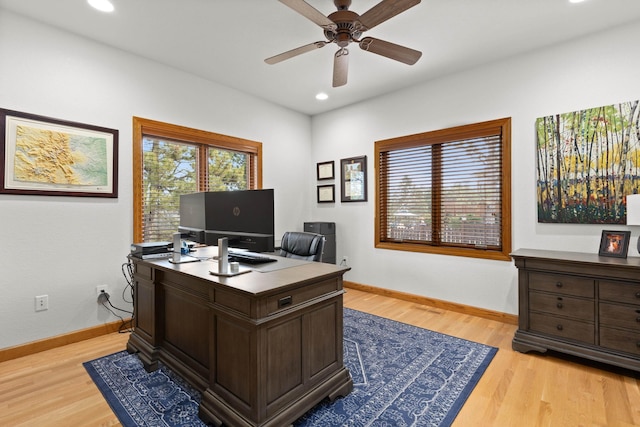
x,y
42,302
100,289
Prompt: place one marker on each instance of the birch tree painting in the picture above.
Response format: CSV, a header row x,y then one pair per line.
x,y
587,162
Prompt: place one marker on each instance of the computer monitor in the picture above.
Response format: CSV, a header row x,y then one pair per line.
x,y
245,217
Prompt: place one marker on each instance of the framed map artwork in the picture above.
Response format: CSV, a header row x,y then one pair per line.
x,y
51,157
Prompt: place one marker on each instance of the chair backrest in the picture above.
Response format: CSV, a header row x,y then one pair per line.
x,y
302,245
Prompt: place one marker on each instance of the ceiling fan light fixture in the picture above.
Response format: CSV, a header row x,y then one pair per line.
x,y
101,5
343,27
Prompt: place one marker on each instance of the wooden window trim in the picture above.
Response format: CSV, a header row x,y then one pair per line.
x,y
446,135
142,127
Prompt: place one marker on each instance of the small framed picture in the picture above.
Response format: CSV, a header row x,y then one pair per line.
x,y
353,173
326,170
326,193
614,243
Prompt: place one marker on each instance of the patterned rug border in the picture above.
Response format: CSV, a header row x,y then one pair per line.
x,y
188,398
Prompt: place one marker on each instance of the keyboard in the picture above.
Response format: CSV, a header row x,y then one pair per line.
x,y
249,258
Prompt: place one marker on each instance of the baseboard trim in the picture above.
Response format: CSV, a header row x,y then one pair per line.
x,y
432,302
11,353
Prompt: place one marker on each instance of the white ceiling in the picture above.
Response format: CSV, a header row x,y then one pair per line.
x,y
226,41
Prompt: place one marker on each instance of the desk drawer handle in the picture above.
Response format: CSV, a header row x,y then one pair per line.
x,y
559,327
559,285
559,305
283,302
638,319
637,294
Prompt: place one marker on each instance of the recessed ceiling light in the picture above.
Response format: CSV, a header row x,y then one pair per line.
x,y
101,5
576,1
322,96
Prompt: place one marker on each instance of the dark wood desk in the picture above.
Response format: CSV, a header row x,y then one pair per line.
x,y
263,347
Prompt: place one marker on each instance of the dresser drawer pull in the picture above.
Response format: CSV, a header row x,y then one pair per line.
x,y
559,285
559,305
559,327
637,294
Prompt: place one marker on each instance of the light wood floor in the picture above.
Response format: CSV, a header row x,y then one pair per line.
x,y
53,389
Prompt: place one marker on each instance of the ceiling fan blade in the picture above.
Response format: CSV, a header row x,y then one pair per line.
x,y
390,50
340,67
384,10
311,13
294,52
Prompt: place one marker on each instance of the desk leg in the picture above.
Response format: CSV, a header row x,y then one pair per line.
x,y
147,354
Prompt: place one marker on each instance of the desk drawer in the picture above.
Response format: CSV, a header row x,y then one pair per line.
x,y
561,305
621,340
563,328
621,316
628,293
562,284
285,300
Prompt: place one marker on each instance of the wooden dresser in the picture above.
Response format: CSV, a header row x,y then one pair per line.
x,y
581,304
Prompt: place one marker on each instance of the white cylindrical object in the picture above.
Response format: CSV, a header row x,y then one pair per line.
x,y
234,267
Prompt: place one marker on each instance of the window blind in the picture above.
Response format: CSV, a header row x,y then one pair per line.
x,y
443,189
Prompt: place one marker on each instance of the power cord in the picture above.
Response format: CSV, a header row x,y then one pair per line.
x,y
104,299
125,325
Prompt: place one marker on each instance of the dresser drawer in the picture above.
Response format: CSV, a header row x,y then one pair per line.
x,y
561,305
562,284
622,316
628,293
563,328
617,339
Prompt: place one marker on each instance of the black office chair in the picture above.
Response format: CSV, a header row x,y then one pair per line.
x,y
302,245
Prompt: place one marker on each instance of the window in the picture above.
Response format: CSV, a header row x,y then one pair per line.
x,y
446,191
170,160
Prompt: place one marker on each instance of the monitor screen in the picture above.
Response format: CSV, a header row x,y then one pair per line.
x,y
231,214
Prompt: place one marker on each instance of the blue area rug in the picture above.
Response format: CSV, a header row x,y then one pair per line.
x,y
403,376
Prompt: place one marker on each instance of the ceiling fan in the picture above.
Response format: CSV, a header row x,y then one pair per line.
x,y
344,26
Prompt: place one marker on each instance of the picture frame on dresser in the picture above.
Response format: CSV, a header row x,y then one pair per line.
x,y
614,243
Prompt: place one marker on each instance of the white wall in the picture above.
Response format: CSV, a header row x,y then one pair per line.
x,y
65,246
595,71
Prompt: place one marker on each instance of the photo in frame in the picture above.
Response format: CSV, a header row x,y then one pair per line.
x,y
353,179
326,193
51,157
614,243
326,170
